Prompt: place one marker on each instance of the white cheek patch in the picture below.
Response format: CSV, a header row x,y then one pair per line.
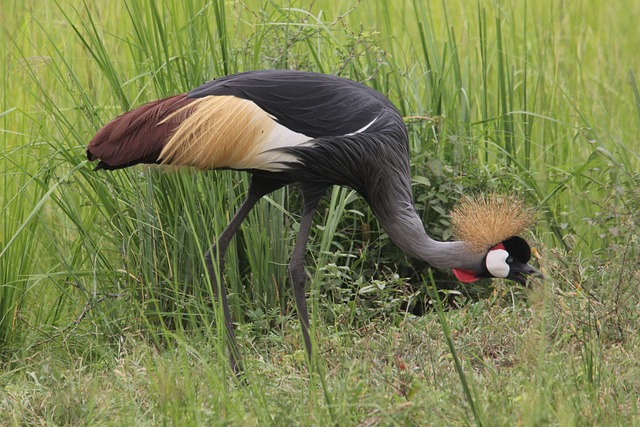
x,y
497,263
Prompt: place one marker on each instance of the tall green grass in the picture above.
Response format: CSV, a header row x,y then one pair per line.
x,y
537,99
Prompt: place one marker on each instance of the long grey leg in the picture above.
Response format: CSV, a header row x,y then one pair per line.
x,y
257,189
296,265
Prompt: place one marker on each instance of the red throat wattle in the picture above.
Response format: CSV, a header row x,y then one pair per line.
x,y
465,276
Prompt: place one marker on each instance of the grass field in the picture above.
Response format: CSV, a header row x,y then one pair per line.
x,y
106,317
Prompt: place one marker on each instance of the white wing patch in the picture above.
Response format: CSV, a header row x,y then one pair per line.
x,y
271,158
362,129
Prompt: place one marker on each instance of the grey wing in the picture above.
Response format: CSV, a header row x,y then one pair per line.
x,y
316,105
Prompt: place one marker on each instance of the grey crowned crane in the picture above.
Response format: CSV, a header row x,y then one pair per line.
x,y
316,130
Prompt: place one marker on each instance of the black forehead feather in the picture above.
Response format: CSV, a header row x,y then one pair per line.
x,y
518,248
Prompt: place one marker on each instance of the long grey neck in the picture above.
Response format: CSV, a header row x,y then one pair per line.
x,y
406,230
388,191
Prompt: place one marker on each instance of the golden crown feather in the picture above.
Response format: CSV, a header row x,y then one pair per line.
x,y
486,220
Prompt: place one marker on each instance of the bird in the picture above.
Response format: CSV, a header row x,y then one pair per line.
x,y
316,131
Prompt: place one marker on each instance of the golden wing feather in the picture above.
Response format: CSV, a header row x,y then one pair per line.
x,y
217,132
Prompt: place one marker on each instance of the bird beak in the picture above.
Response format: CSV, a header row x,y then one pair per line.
x,y
519,272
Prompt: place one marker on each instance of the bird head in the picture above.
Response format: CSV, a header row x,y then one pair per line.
x,y
490,226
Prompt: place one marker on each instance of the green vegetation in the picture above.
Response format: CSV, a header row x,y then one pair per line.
x,y
106,316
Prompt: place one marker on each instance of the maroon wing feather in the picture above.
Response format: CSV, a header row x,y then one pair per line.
x,y
137,136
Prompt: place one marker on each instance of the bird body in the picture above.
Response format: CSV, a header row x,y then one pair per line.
x,y
317,130
239,118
